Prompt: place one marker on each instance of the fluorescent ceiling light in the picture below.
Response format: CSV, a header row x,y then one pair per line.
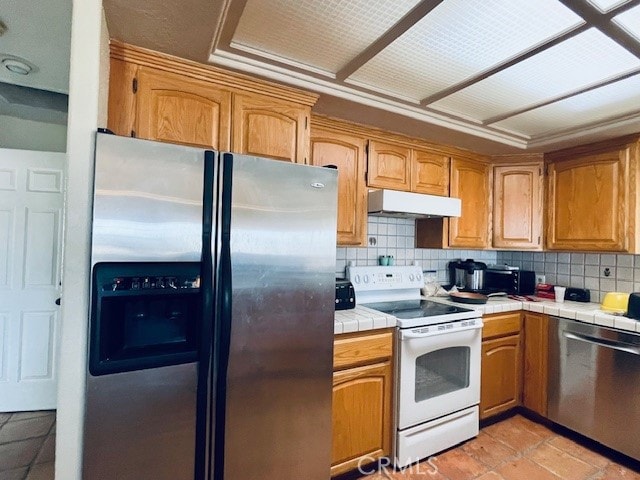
x,y
630,21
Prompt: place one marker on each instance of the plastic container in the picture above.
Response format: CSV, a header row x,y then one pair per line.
x,y
615,302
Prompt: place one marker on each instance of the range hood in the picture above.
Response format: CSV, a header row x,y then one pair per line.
x,y
393,203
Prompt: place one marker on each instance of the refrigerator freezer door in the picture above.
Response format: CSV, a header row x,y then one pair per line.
x,y
147,208
147,201
279,376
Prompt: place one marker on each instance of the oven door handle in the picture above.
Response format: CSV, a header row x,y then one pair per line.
x,y
411,333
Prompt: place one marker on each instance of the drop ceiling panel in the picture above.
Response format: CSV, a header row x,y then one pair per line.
x,y
606,5
322,34
630,21
579,62
459,39
596,106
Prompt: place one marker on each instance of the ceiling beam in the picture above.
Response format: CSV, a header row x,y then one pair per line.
x,y
504,65
229,21
513,113
604,23
405,23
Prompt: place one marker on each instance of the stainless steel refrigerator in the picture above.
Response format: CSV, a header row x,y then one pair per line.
x,y
211,326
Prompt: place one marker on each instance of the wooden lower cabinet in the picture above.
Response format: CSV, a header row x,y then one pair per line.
x,y
501,377
536,348
362,399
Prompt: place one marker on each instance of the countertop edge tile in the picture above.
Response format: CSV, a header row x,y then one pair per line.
x,y
362,319
624,323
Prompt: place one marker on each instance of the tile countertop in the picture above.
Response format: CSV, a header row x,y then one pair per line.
x,y
363,318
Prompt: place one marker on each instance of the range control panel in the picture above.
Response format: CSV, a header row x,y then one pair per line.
x,y
385,278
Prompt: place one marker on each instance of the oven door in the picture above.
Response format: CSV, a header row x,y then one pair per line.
x,y
438,372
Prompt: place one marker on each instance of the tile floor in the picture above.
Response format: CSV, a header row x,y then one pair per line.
x,y
513,449
27,445
516,449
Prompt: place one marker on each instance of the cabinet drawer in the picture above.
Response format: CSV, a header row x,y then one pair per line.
x,y
501,324
358,349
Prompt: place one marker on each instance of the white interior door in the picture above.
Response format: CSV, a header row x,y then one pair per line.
x,y
31,200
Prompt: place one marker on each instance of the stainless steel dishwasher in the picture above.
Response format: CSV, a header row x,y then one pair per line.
x,y
594,383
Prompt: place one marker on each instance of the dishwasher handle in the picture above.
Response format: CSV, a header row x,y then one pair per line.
x,y
603,342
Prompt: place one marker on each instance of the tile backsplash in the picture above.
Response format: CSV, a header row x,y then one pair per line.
x,y
396,236
599,272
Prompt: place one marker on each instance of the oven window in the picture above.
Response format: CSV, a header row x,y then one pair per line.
x,y
441,372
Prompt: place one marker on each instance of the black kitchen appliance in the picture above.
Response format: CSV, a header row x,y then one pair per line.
x,y
577,294
514,282
633,309
345,294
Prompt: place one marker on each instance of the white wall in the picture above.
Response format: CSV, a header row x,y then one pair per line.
x,y
31,135
85,110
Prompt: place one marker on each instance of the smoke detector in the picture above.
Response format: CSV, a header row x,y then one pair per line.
x,y
17,65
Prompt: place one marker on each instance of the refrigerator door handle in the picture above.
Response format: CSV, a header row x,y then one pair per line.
x,y
206,364
223,311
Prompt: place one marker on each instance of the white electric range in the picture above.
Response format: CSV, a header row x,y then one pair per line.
x,y
437,383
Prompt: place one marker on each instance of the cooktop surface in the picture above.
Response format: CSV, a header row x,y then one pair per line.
x,y
415,313
415,308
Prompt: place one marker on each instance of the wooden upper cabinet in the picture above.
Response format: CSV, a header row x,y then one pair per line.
x,y
591,200
160,97
471,182
267,127
517,206
347,152
429,173
389,166
177,109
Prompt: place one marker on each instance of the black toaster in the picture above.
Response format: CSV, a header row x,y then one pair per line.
x,y
345,294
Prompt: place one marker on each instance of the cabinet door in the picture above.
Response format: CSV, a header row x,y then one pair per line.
x,y
389,166
267,127
361,416
470,181
536,348
517,206
501,377
347,152
121,114
178,109
588,204
429,173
